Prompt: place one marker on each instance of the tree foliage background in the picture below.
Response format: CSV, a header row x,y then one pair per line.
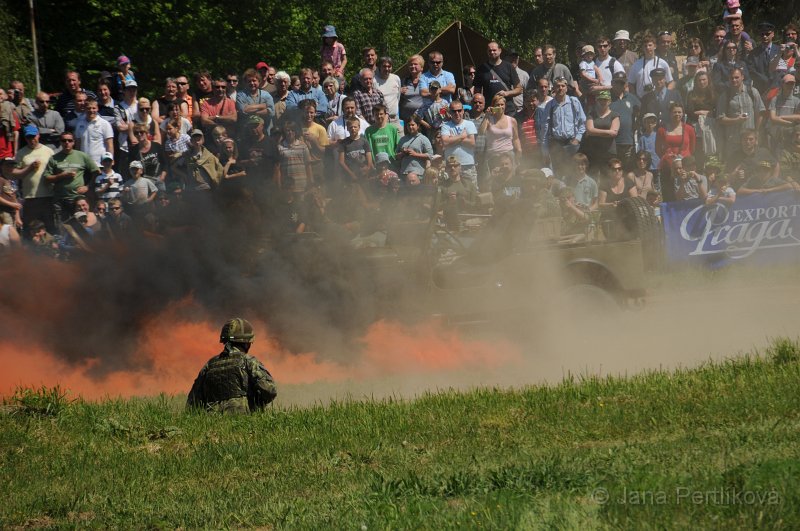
x,y
182,36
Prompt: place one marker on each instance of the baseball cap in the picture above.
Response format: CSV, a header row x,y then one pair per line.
x,y
197,132
620,76
434,84
107,156
131,83
649,115
603,95
766,26
789,78
622,35
587,49
657,72
123,60
381,157
30,130
255,119
261,64
136,164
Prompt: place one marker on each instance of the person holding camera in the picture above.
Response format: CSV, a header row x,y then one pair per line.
x,y
739,107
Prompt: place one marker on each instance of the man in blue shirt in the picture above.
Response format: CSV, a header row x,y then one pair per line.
x,y
458,137
436,73
306,92
564,127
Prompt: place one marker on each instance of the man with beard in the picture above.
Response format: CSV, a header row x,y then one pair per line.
x,y
496,76
743,163
233,381
550,70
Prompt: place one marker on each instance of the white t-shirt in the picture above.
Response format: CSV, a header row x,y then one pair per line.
x,y
337,129
390,88
639,76
605,69
93,136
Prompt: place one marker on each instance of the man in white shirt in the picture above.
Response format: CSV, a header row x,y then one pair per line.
x,y
639,75
94,135
389,85
337,129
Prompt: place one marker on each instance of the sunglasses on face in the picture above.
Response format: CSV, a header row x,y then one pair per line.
x,y
182,83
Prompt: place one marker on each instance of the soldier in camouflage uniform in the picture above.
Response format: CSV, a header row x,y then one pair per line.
x,y
233,381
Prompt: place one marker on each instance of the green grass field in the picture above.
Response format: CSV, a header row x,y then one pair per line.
x,y
713,447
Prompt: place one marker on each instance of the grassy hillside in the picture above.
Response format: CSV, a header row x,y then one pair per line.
x,y
713,447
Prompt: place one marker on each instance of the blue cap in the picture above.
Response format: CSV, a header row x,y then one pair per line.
x,y
30,130
329,31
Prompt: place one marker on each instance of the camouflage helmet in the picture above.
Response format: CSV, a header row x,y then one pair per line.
x,y
237,330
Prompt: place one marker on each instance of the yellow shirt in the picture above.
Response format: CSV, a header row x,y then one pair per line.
x,y
33,185
321,136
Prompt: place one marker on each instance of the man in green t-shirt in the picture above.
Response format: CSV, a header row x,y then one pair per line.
x,y
383,136
71,172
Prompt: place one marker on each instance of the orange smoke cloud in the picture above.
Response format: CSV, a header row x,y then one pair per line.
x,y
172,350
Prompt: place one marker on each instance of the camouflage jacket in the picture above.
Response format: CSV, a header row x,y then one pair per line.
x,y
232,382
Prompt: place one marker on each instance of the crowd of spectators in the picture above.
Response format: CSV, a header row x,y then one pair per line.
x,y
315,151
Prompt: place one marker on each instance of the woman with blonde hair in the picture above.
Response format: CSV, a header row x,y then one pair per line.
x,y
502,134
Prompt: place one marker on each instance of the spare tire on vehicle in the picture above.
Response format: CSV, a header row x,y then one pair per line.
x,y
636,220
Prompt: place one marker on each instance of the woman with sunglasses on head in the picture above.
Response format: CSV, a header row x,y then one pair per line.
x,y
144,117
729,59
150,154
466,92
695,48
160,109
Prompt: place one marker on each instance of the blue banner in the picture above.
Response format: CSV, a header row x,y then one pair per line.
x,y
757,228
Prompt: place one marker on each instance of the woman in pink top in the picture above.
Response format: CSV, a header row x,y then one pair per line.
x,y
502,135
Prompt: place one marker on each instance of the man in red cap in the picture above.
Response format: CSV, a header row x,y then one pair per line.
x,y
266,80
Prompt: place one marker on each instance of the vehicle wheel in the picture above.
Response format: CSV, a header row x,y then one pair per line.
x,y
587,301
637,220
